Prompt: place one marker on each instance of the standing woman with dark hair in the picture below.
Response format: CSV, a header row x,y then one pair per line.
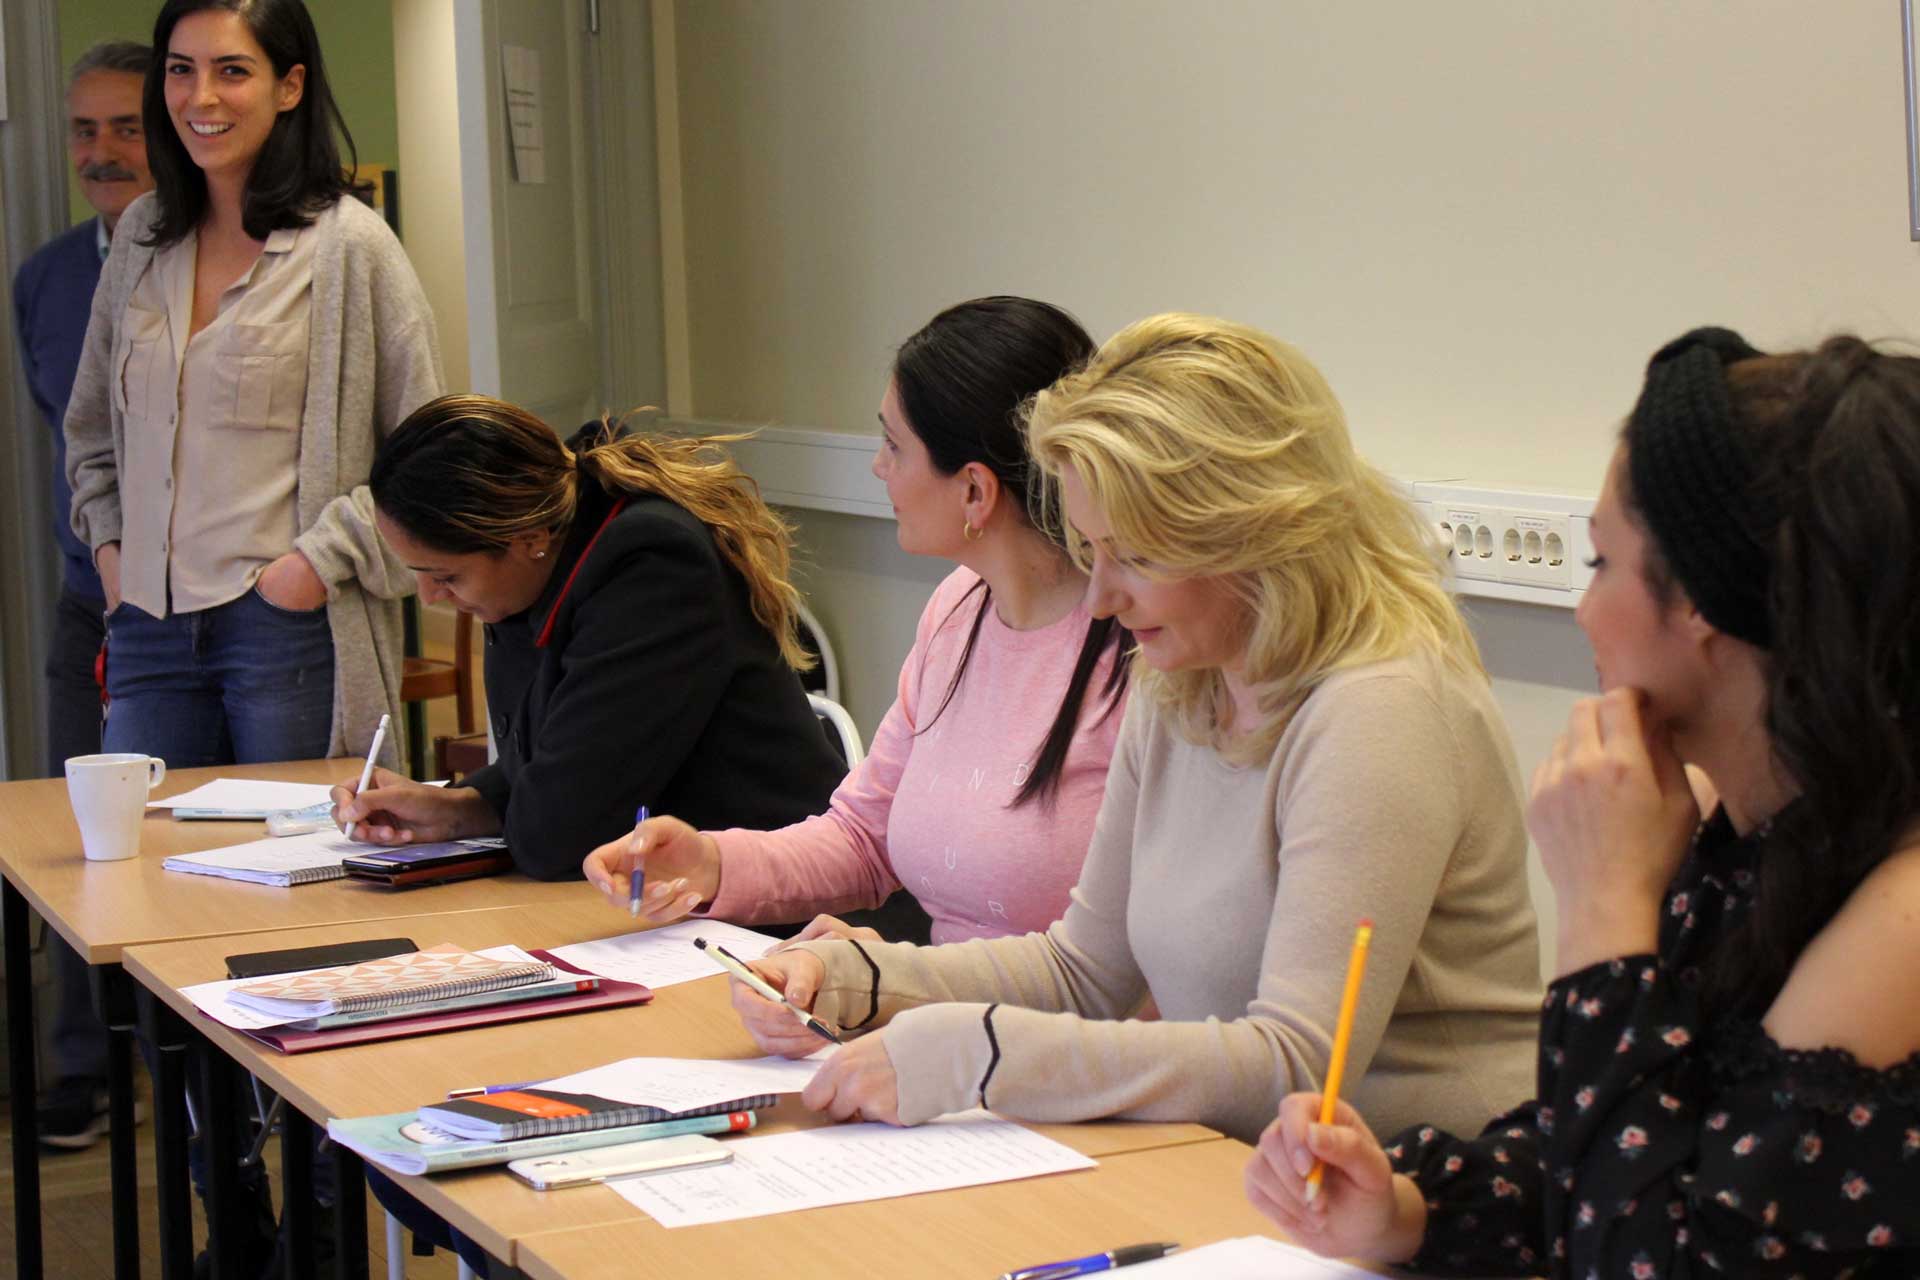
x,y
257,330
1729,1066
981,787
641,637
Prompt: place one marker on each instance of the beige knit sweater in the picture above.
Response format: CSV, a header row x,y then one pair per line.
x,y
1230,895
372,360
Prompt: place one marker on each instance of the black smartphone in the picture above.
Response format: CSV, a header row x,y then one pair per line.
x,y
260,964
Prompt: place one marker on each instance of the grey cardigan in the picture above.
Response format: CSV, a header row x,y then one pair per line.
x,y
372,359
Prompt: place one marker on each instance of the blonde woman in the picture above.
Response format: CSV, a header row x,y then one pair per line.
x,y
640,633
1311,740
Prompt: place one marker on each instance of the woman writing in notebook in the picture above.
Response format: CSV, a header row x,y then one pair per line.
x,y
980,791
1729,1066
1312,740
640,640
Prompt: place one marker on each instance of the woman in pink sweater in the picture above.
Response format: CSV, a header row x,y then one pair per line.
x,y
979,793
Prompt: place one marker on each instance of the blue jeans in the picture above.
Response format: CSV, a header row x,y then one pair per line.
x,y
244,682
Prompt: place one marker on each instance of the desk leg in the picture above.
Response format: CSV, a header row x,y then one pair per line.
x,y
350,1214
113,1000
222,1120
296,1192
168,1035
15,921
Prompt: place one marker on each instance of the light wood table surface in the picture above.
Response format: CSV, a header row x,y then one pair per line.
x,y
102,907
1189,1195
687,1020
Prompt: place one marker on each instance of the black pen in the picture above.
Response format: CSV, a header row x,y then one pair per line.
x,y
1093,1262
733,965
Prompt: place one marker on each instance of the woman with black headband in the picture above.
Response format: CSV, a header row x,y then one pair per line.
x,y
1729,1077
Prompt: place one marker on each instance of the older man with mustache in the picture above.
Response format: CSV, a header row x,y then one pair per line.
x,y
52,295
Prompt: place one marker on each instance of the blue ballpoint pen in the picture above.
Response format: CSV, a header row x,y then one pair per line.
x,y
638,879
1093,1262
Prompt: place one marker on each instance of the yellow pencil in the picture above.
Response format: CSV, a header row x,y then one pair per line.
x,y
1342,1033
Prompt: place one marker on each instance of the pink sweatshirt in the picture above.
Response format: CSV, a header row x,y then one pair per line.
x,y
930,811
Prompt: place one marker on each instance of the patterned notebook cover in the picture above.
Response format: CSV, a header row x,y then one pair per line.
x,y
434,974
531,1113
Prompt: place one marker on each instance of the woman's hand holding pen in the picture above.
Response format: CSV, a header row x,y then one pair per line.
x,y
796,975
1363,1207
682,867
397,810
1612,812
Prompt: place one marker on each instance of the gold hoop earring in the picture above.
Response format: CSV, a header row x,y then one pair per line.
x,y
970,533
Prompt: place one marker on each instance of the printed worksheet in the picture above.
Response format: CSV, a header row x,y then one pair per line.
x,y
247,795
845,1163
661,957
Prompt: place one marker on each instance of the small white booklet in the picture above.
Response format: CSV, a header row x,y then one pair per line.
x,y
243,798
841,1164
277,860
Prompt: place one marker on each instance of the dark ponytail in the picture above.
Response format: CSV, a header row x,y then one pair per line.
x,y
963,381
1836,437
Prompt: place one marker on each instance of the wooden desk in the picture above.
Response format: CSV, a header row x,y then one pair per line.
x,y
688,1020
1190,1194
101,908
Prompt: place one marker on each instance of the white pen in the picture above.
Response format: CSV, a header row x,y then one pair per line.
x,y
373,752
732,964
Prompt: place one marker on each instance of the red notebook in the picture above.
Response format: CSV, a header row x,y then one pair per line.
x,y
609,995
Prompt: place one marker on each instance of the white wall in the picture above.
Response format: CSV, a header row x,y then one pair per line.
x,y
1480,218
430,215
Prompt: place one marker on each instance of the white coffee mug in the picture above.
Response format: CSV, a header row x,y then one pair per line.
x,y
109,798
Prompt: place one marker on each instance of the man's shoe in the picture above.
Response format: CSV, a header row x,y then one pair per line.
x,y
73,1114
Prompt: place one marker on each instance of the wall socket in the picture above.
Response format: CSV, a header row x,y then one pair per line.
x,y
1511,545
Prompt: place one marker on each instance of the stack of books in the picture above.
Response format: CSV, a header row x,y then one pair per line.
x,y
516,1123
436,980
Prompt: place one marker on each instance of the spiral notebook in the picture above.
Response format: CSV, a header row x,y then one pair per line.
x,y
438,973
535,1113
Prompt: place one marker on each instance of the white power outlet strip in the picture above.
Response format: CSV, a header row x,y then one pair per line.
x,y
1511,545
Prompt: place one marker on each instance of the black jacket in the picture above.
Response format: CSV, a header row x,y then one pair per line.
x,y
656,686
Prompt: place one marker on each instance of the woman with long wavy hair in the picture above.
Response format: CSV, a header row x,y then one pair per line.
x,y
1311,739
641,646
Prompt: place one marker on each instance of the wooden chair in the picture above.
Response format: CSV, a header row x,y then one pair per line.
x,y
423,679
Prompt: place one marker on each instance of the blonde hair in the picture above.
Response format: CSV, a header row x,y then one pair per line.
x,y
1215,450
469,473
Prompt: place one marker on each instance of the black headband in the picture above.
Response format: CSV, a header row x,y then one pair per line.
x,y
1693,481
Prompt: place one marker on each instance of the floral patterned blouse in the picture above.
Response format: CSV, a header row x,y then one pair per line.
x,y
1659,1146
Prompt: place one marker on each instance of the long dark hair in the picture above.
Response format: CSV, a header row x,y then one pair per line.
x,y
1835,503
964,381
298,173
466,474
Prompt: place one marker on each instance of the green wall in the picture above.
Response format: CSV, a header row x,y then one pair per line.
x,y
355,35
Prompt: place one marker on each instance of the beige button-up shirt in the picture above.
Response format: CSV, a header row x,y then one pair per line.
x,y
213,425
